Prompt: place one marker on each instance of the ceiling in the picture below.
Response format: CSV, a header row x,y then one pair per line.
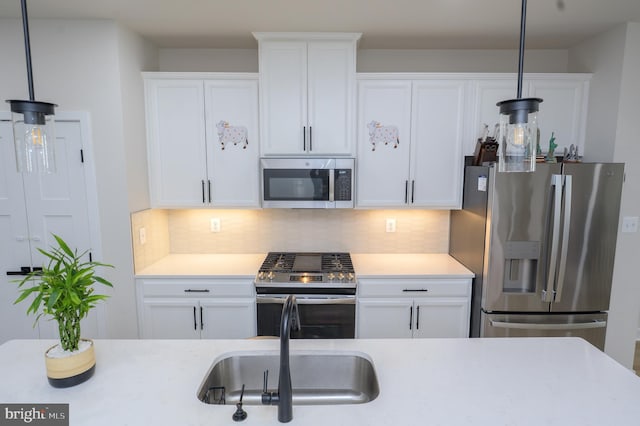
x,y
385,24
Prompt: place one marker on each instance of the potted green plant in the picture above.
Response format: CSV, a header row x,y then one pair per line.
x,y
63,290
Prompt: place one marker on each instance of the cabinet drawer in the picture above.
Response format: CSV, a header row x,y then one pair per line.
x,y
196,287
413,287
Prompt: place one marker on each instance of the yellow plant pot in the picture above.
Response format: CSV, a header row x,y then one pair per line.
x,y
70,370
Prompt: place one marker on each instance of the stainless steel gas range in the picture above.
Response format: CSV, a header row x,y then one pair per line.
x,y
325,288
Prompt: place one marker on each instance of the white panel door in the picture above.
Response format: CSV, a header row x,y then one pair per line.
x,y
441,317
563,111
331,87
437,161
32,207
14,243
385,318
176,142
483,110
283,97
171,319
231,108
228,318
384,115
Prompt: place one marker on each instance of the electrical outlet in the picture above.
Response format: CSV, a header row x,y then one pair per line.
x,y
142,236
630,224
391,225
215,224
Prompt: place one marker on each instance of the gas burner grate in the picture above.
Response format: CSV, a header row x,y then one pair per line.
x,y
337,262
278,262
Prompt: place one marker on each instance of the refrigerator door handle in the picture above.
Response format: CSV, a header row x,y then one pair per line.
x,y
565,237
556,183
537,326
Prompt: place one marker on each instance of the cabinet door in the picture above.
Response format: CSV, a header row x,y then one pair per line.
x,y
283,97
384,125
14,243
176,142
436,144
441,317
231,108
331,95
563,111
385,318
228,318
171,319
486,93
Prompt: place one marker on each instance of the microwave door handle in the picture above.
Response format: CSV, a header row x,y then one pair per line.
x,y
332,184
556,185
566,225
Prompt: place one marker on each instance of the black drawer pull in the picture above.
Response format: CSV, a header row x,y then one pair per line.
x,y
406,290
196,290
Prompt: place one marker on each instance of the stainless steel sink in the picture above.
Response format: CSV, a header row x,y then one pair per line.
x,y
318,378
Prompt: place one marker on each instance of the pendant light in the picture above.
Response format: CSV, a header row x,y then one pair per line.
x,y
519,121
33,126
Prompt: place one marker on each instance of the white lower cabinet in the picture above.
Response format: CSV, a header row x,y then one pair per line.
x,y
196,308
406,308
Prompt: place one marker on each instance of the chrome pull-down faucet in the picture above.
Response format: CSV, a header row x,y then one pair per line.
x,y
284,397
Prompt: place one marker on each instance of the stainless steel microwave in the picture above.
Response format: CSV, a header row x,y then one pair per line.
x,y
315,183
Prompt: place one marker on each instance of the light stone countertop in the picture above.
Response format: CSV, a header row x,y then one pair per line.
x,y
523,382
383,265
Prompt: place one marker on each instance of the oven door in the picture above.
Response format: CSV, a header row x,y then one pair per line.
x,y
321,316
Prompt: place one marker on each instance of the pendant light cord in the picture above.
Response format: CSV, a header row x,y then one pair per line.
x,y
523,21
27,48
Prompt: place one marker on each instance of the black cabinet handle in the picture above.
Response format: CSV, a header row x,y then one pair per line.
x,y
209,183
418,318
201,321
196,290
411,318
24,270
406,290
310,139
203,200
195,324
406,191
304,138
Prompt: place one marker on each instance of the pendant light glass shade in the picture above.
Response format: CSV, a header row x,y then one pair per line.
x,y
33,134
518,134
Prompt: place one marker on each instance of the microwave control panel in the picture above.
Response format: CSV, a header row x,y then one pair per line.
x,y
342,189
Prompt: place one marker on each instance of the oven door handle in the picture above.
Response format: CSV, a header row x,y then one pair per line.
x,y
306,300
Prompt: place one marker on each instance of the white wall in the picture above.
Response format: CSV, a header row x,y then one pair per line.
x,y
377,60
612,135
78,65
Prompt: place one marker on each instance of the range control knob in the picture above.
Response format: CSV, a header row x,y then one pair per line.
x,y
270,275
331,276
351,276
341,275
261,275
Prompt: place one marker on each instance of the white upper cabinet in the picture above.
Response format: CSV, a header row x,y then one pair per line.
x,y
410,135
307,93
384,143
202,138
436,143
563,110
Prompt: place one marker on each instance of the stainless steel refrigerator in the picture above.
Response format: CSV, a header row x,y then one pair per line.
x,y
542,247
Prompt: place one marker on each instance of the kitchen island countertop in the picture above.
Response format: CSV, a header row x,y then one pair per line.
x,y
533,381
